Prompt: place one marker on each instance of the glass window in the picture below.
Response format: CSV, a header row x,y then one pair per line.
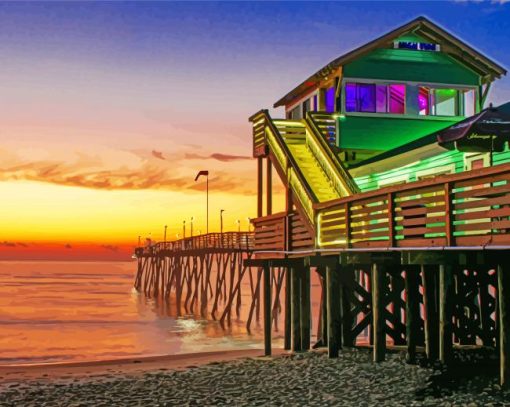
x,y
330,99
397,97
424,101
444,102
469,102
381,100
375,98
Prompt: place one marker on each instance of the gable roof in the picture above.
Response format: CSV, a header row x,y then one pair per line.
x,y
421,26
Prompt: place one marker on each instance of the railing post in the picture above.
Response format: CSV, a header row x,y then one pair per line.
x,y
347,208
391,220
448,207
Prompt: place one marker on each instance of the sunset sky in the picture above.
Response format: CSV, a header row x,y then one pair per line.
x,y
108,110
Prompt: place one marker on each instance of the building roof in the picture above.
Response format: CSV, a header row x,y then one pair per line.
x,y
421,26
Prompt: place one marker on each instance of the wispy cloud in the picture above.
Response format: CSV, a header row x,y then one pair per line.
x,y
158,154
217,156
133,170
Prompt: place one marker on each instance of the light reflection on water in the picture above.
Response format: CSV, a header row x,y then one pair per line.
x,y
82,311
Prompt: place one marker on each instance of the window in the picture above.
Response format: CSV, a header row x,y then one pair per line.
x,y
294,114
330,99
375,98
306,107
446,102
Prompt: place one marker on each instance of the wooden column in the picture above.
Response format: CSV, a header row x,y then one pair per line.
x,y
412,289
333,310
347,317
324,308
260,190
429,282
288,302
445,312
321,99
504,323
295,309
267,310
305,308
378,271
269,187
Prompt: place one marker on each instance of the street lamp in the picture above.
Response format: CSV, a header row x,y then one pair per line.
x,y
206,173
191,226
221,220
164,238
238,226
184,229
249,223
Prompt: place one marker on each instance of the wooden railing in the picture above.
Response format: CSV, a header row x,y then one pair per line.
x,y
226,240
328,160
326,125
286,163
282,232
470,209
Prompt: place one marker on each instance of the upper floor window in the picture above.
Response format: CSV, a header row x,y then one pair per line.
x,y
375,98
446,101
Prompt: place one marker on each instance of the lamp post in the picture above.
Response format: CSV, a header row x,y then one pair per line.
x,y
206,173
191,226
249,223
238,226
139,240
221,220
164,236
184,229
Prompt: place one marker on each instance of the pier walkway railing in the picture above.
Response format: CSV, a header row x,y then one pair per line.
x,y
230,241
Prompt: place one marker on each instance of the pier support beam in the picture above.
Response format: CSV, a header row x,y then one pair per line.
x,y
295,309
347,275
429,281
412,289
333,310
445,312
379,322
305,308
288,317
504,323
267,310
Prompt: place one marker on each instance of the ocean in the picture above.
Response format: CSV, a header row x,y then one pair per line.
x,y
83,311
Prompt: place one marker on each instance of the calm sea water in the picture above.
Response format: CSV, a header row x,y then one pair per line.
x,y
81,311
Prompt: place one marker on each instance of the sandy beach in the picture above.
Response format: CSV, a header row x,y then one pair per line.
x,y
245,378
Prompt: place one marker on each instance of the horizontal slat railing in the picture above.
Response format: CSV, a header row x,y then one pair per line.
x,y
226,240
466,209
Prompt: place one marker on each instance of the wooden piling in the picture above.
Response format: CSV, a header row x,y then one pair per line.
x,y
288,320
305,311
295,309
504,323
445,312
267,310
333,310
412,311
324,308
429,282
347,317
379,321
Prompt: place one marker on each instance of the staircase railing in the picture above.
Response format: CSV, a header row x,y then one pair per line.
x,y
288,165
342,181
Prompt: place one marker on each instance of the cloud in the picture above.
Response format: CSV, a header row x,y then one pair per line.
x,y
110,247
124,170
217,156
5,243
158,154
8,244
